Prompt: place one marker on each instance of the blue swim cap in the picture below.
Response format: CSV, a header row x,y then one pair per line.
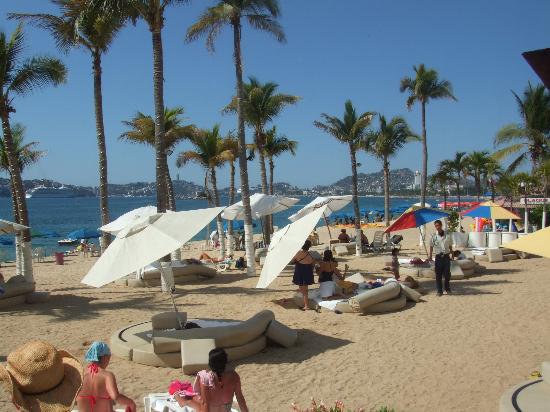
x,y
96,351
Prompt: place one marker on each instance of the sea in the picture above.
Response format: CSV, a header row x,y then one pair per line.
x,y
56,217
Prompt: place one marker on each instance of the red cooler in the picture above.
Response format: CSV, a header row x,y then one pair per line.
x,y
59,258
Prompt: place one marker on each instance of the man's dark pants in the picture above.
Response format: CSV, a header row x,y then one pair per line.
x,y
442,271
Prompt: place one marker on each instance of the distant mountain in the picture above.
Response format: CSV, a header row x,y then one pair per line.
x,y
81,191
371,183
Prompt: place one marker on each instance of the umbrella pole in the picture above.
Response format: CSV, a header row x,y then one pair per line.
x,y
328,227
263,233
423,242
180,323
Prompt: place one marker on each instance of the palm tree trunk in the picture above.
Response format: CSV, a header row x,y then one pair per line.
x,y
230,231
424,177
271,170
102,151
492,190
19,191
158,86
263,176
171,200
478,187
219,217
355,200
245,192
387,192
18,254
544,206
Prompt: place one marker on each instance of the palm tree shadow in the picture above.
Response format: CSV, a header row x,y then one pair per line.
x,y
468,287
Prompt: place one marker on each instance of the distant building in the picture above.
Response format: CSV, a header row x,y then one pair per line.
x,y
417,179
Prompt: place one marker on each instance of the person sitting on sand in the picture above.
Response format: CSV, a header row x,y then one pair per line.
x,y
458,255
303,271
327,269
205,257
216,387
343,237
99,390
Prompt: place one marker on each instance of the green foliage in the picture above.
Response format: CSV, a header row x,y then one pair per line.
x,y
25,153
391,136
425,86
453,221
535,216
338,407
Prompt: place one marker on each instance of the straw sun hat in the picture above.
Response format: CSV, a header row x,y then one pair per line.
x,y
41,378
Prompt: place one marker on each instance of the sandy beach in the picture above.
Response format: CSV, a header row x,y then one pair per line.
x,y
450,353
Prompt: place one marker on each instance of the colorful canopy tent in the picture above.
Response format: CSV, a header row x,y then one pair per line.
x,y
332,203
416,217
84,234
128,218
261,205
285,243
490,210
146,241
537,243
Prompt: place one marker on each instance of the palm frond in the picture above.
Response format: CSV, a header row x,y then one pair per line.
x,y
210,25
267,24
36,73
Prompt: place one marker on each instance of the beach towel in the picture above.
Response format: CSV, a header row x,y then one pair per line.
x,y
330,304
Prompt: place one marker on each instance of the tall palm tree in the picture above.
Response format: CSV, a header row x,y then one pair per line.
x,y
261,15
425,86
508,185
141,129
493,171
384,143
27,154
274,146
442,178
77,27
261,105
543,173
458,166
350,130
152,13
477,163
210,152
528,139
232,146
19,77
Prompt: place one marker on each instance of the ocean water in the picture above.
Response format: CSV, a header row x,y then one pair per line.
x,y
65,215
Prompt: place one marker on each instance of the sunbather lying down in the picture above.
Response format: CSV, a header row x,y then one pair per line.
x,y
205,257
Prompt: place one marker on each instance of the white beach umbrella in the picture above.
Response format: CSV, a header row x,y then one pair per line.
x,y
333,204
148,240
285,243
10,227
128,218
261,205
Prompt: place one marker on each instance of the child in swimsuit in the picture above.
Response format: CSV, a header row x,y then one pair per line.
x,y
99,390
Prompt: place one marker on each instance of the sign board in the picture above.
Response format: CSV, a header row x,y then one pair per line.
x,y
535,200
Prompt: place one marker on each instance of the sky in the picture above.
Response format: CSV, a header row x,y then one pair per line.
x,y
336,50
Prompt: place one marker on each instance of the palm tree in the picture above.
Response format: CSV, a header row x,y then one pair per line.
x,y
19,77
384,143
152,13
26,154
441,178
261,105
543,172
425,86
210,152
141,129
493,171
75,27
261,15
232,146
477,163
276,145
528,139
458,167
352,131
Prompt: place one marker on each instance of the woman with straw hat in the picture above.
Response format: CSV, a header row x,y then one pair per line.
x,y
41,378
99,389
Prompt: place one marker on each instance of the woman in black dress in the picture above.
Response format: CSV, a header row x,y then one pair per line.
x,y
303,271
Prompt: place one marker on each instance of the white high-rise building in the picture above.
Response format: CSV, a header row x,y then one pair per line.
x,y
417,179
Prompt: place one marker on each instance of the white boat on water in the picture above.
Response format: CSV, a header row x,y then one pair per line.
x,y
43,191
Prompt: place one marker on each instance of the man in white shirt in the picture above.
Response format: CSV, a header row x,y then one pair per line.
x,y
441,243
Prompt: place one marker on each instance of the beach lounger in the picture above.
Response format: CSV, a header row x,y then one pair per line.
x,y
163,402
378,244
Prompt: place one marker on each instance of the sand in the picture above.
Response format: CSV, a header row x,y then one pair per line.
x,y
450,353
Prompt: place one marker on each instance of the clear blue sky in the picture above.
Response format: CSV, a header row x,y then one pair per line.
x,y
357,49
